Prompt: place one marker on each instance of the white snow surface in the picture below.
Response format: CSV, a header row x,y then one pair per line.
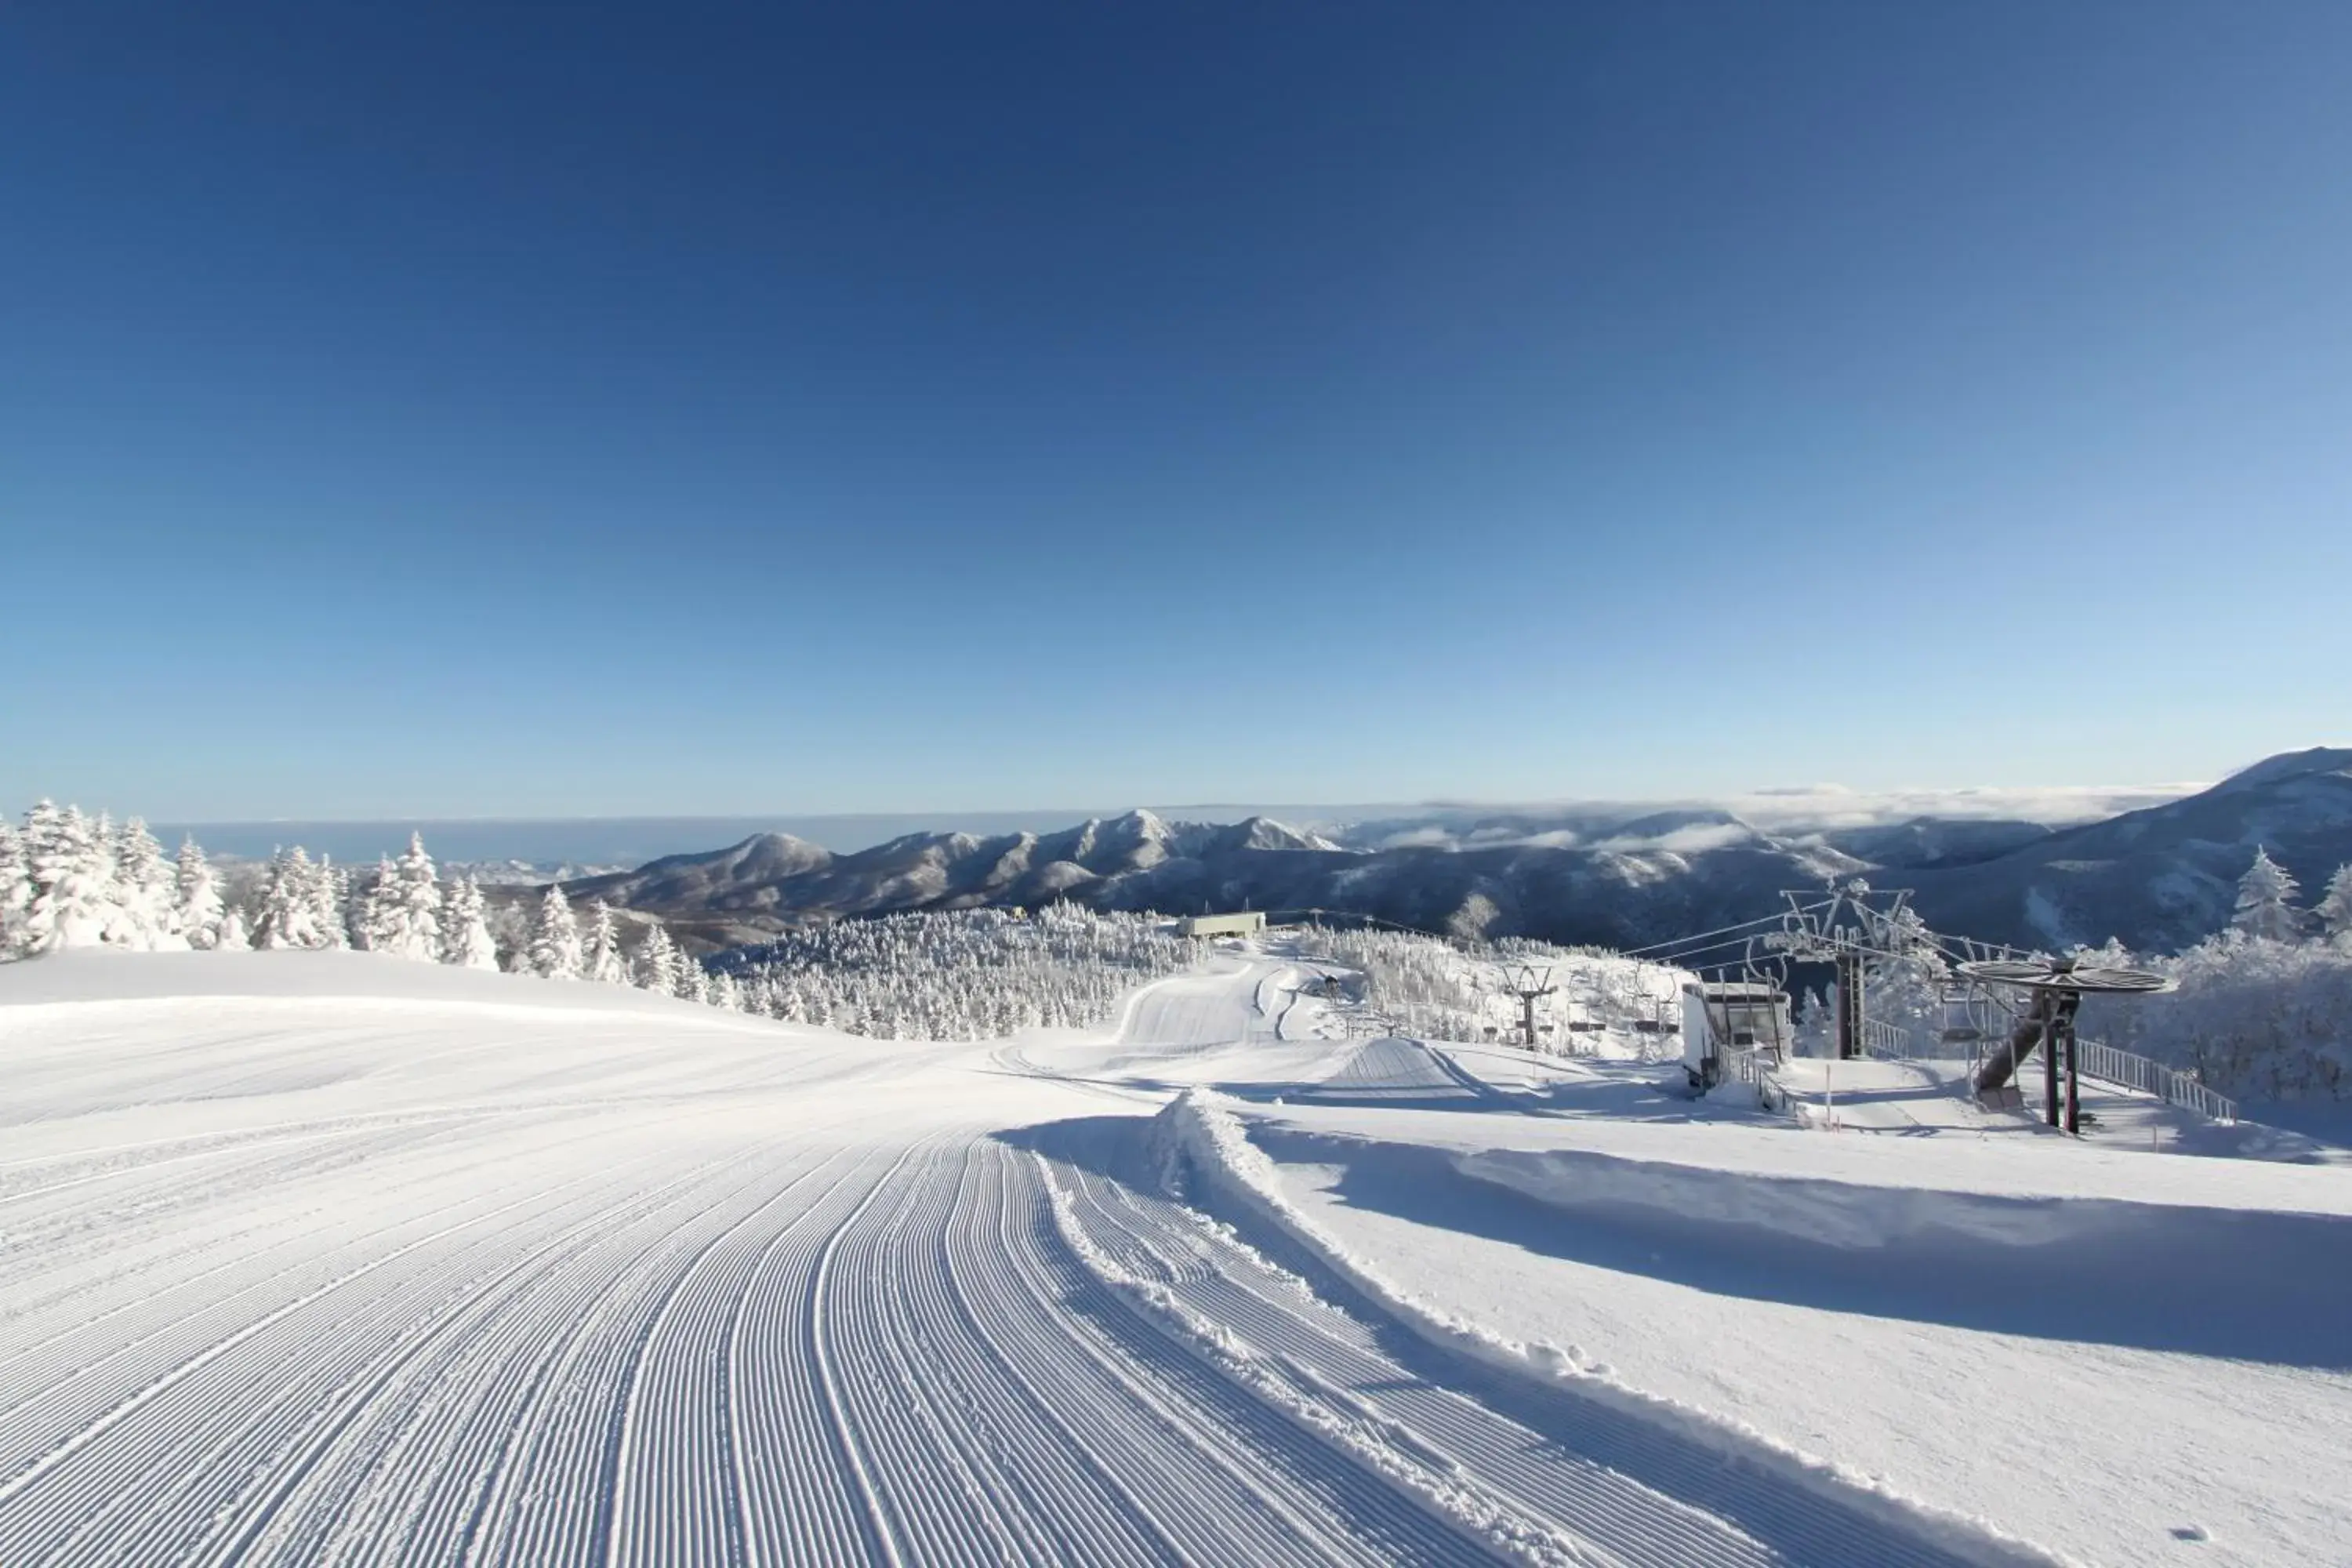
x,y
320,1257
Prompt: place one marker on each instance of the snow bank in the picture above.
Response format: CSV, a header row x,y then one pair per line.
x,y
1200,1136
2148,1275
1848,1215
1388,1449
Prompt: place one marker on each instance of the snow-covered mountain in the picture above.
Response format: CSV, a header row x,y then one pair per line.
x,y
2160,878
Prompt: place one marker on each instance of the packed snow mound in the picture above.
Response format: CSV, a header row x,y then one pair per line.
x,y
1393,1069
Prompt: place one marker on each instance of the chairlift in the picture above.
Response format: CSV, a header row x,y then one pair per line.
x,y
1967,1016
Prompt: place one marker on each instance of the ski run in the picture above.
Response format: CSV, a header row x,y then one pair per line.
x,y
316,1257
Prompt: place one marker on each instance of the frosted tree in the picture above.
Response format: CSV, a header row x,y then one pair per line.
x,y
144,896
725,992
15,889
373,928
66,871
409,916
555,938
330,903
1906,986
693,980
288,916
604,961
113,896
232,936
657,961
466,939
1813,1036
1476,917
2266,910
2335,908
195,898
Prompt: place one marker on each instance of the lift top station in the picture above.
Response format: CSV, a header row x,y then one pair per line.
x,y
2056,987
1723,1019
1247,923
1847,930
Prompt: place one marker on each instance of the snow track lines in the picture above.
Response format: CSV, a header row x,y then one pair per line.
x,y
806,1305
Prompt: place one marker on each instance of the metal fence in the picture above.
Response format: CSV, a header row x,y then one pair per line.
x,y
1892,1042
2111,1066
1752,1066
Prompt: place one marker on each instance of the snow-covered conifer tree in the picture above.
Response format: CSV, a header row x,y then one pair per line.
x,y
113,897
288,917
233,937
466,939
330,903
693,980
146,902
555,938
411,912
66,871
378,915
15,889
604,961
2335,908
657,961
196,899
2264,908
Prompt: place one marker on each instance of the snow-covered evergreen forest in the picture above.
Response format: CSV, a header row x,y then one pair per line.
x,y
966,975
2263,1009
70,880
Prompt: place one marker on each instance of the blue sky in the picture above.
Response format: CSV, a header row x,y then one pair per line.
x,y
505,410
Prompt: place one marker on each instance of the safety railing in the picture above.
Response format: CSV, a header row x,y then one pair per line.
x,y
2094,1059
1888,1042
2103,1062
1752,1066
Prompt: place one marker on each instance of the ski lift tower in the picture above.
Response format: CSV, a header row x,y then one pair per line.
x,y
1527,982
1844,931
2057,986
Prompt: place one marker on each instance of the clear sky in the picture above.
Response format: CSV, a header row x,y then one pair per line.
x,y
484,409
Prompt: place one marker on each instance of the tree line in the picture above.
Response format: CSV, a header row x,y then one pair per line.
x,y
71,881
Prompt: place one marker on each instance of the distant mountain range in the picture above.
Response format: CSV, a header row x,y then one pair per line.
x,y
2158,879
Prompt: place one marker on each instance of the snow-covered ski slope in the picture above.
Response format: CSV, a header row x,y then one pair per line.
x,y
311,1258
